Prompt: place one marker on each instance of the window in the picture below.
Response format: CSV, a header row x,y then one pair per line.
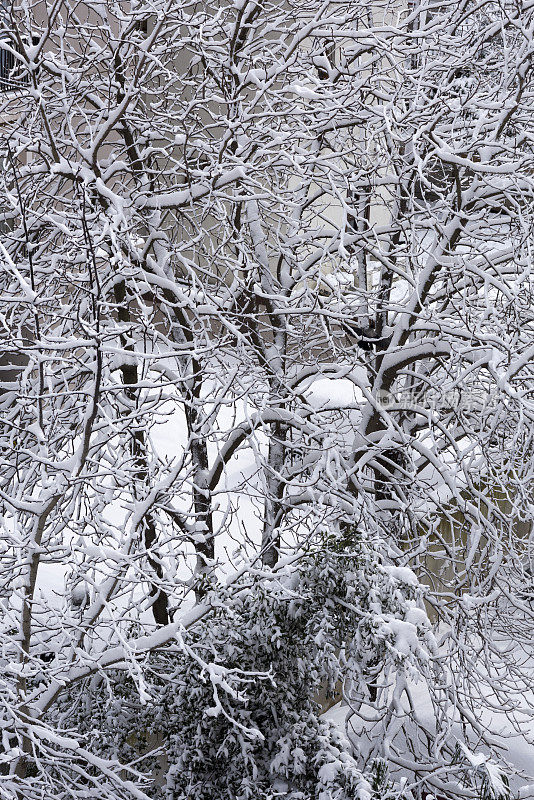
x,y
12,73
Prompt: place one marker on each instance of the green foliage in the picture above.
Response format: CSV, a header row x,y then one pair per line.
x,y
479,771
379,778
232,703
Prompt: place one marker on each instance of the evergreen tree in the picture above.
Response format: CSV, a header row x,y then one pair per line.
x,y
235,708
